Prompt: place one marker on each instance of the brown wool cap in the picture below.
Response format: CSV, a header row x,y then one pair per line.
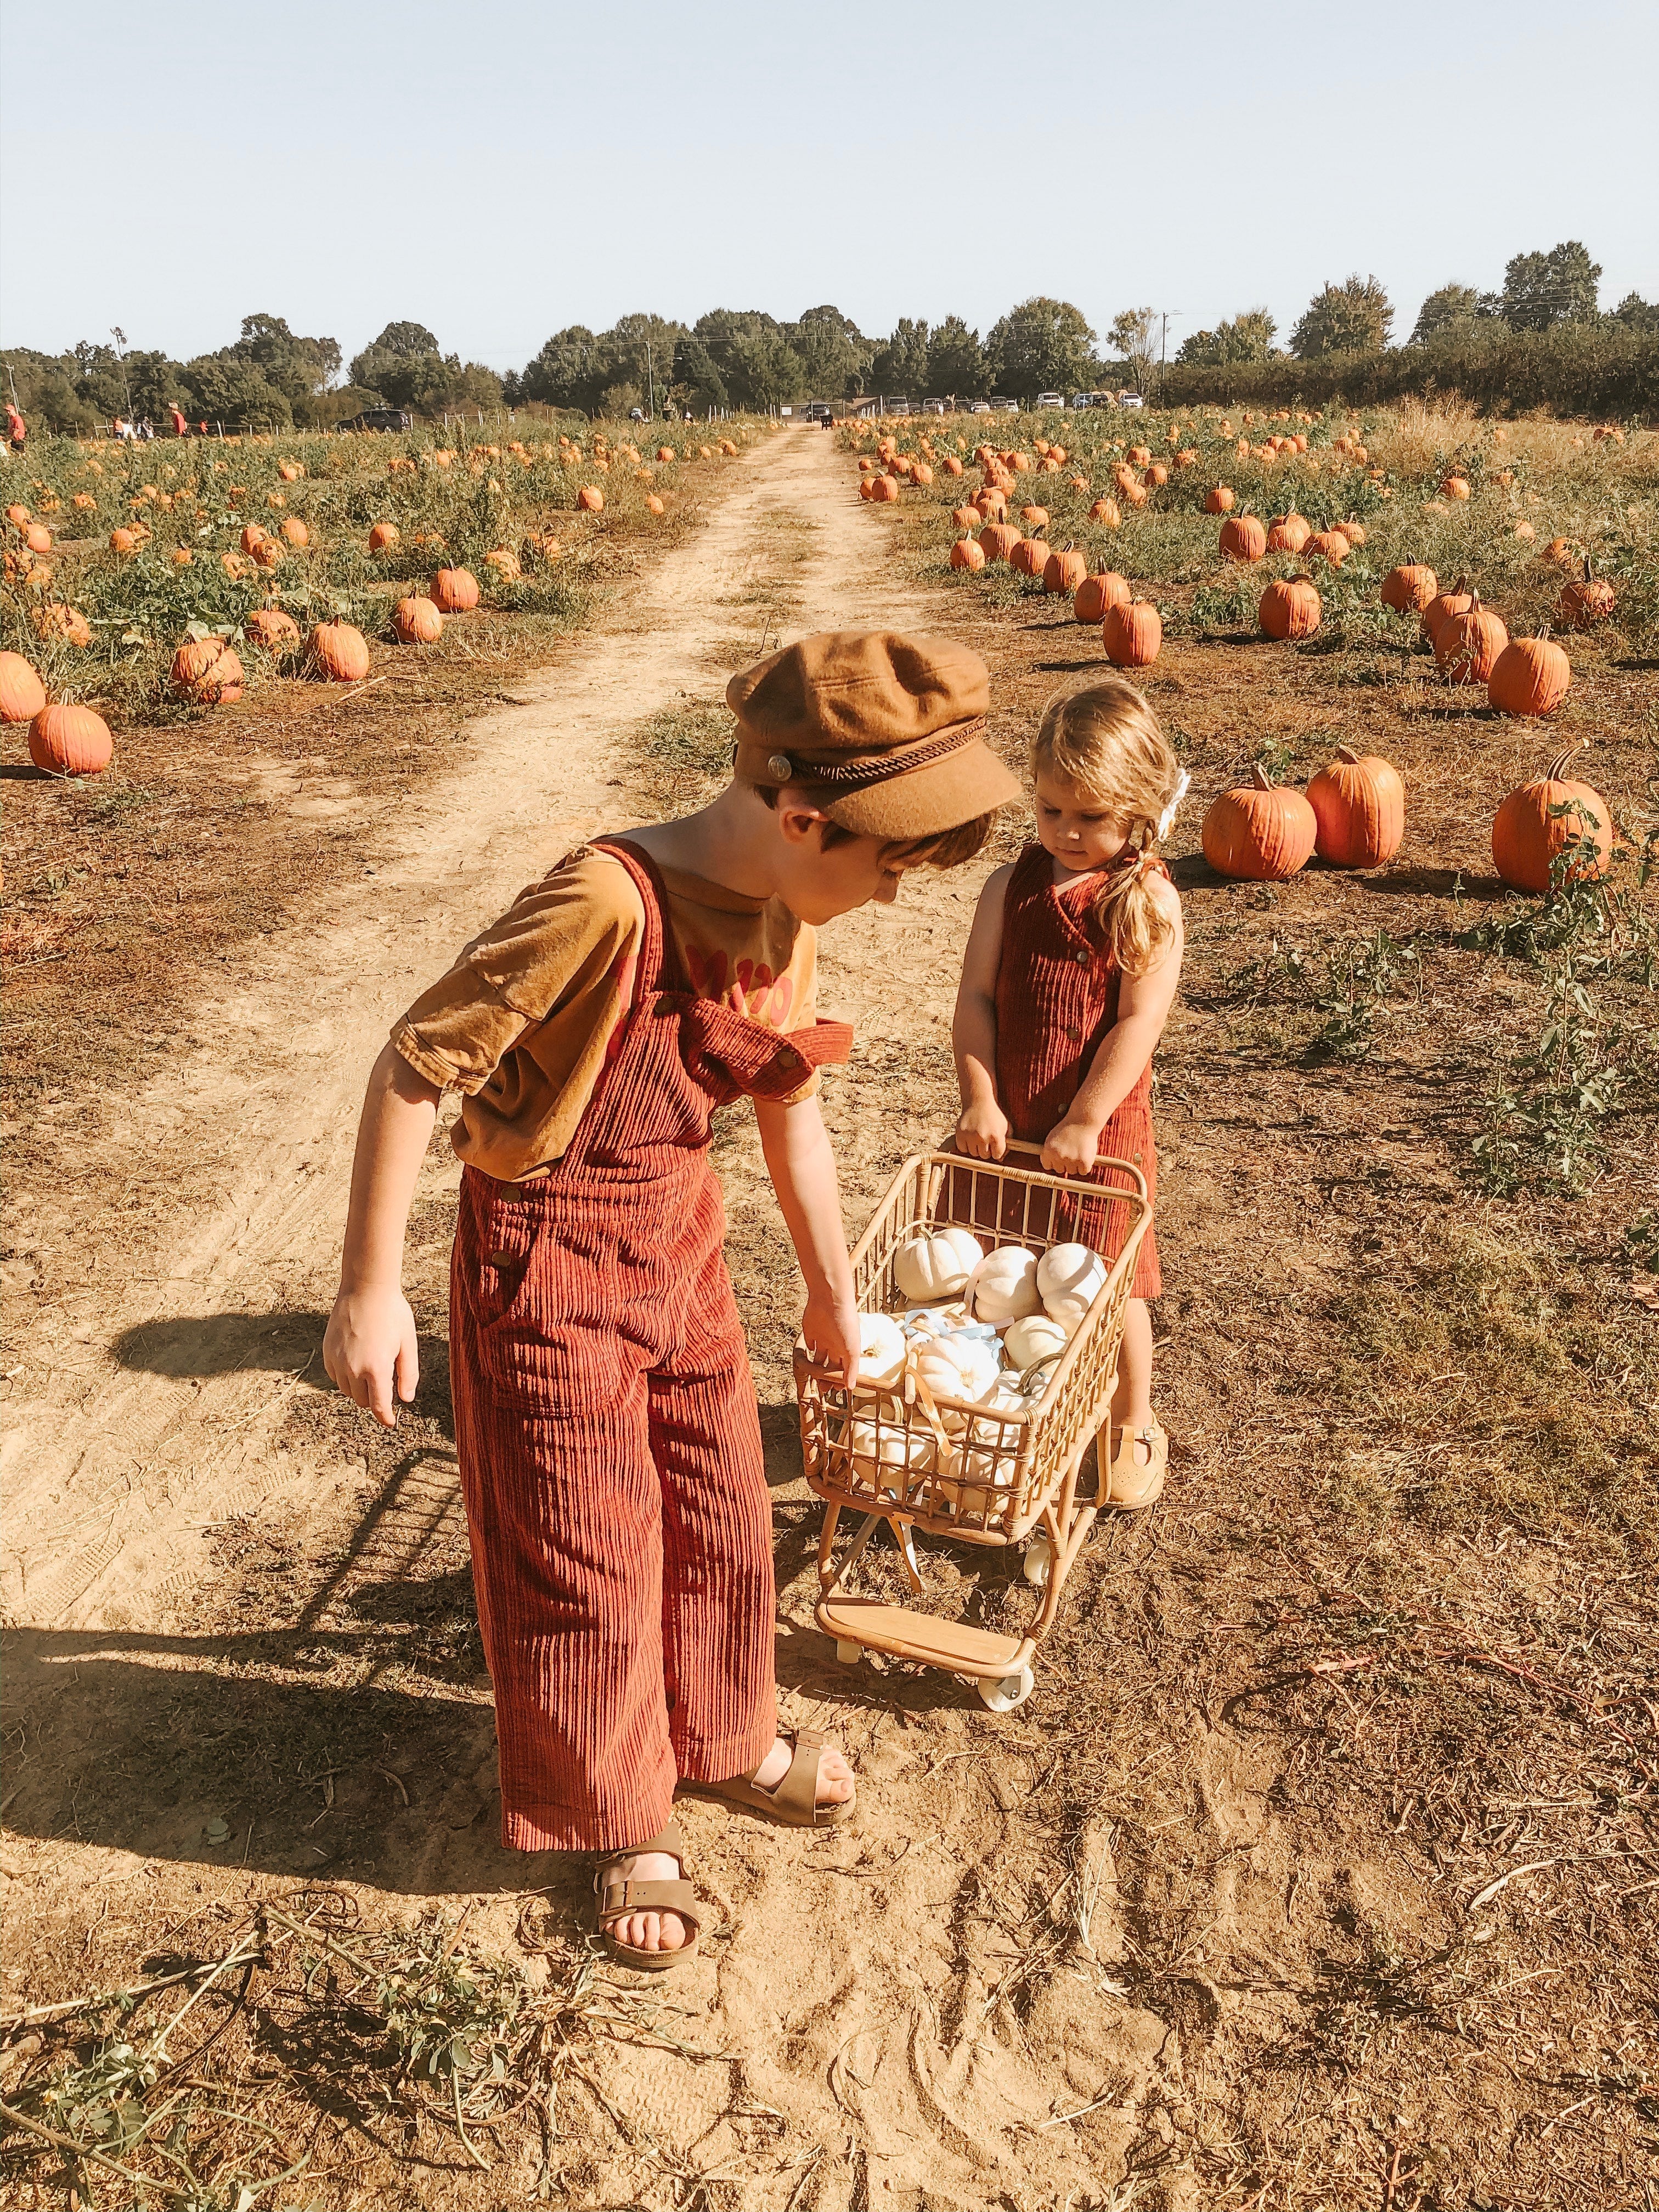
x,y
891,726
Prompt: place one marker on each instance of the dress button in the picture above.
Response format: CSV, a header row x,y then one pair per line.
x,y
1073,1032
1083,959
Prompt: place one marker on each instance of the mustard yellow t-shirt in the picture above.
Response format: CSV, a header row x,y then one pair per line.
x,y
522,1024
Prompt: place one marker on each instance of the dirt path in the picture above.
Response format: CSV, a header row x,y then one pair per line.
x,y
877,1989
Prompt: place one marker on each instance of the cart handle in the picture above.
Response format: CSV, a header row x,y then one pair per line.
x,y
950,1150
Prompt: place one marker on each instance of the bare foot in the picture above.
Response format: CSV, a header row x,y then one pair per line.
x,y
644,1932
834,1775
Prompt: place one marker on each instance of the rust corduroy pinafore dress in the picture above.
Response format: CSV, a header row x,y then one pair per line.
x,y
1057,992
608,1434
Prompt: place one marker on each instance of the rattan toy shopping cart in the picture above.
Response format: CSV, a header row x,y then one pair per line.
x,y
949,1467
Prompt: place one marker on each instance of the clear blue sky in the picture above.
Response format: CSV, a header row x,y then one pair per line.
x,y
499,168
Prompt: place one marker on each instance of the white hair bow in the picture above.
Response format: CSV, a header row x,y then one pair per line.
x,y
1167,818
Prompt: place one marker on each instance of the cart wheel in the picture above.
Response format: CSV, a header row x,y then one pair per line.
x,y
1012,1690
848,1654
1039,1561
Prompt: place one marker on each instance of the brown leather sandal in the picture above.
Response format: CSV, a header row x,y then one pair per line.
x,y
794,1800
1130,1485
613,1898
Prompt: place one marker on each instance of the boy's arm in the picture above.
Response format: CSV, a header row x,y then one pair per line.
x,y
1143,1007
370,1339
982,1126
803,1171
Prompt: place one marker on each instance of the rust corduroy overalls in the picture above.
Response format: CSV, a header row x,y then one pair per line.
x,y
1057,993
608,1434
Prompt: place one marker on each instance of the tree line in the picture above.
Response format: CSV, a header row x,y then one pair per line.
x,y
271,376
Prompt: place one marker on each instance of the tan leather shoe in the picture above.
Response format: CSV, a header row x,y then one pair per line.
x,y
1138,1469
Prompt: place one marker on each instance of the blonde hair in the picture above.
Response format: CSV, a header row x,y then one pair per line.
x,y
1104,742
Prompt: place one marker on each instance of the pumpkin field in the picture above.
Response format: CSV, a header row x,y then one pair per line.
x,y
1320,1868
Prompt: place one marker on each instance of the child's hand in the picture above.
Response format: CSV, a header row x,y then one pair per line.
x,y
982,1130
369,1344
1071,1148
830,1329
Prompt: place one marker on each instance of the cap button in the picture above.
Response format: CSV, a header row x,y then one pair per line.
x,y
780,765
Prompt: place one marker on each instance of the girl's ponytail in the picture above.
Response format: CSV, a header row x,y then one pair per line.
x,y
1105,742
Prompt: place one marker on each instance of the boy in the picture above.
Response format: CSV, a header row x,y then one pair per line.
x,y
605,1417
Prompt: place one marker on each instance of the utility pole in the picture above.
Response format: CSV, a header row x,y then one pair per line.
x,y
651,382
120,338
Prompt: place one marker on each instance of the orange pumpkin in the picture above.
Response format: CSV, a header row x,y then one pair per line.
x,y
1105,512
998,540
416,621
967,553
883,489
1027,554
951,466
1157,475
1527,833
1290,608
1218,500
1353,532
66,622
1455,488
38,538
1034,518
206,670
1243,537
454,590
591,499
1587,600
1529,676
1261,832
339,653
1132,631
965,518
1359,805
270,628
383,536
1064,570
1290,534
295,531
1409,589
1095,594
1443,605
1328,546
1466,645
70,741
1560,553
124,541
18,515
253,536
23,695
655,505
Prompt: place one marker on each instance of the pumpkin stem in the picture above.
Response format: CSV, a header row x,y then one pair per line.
x,y
1260,779
1557,770
1348,753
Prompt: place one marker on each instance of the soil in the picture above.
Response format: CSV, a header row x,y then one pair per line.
x,y
1320,1868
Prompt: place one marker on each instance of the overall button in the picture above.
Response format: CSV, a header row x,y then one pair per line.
x,y
1073,1032
1083,959
500,1259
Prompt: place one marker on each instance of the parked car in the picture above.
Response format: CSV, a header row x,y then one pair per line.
x,y
933,406
380,418
636,413
1051,399
1004,406
979,407
1130,399
1085,399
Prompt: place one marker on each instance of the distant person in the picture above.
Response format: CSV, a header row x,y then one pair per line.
x,y
16,429
180,428
121,428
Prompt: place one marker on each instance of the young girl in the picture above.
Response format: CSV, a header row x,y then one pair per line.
x,y
1070,971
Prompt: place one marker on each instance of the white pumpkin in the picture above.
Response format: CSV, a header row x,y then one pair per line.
x,y
1003,1401
957,1366
1035,1337
885,1446
882,1347
1003,1285
1070,1278
936,1266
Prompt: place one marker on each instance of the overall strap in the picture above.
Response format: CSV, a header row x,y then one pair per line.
x,y
658,965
